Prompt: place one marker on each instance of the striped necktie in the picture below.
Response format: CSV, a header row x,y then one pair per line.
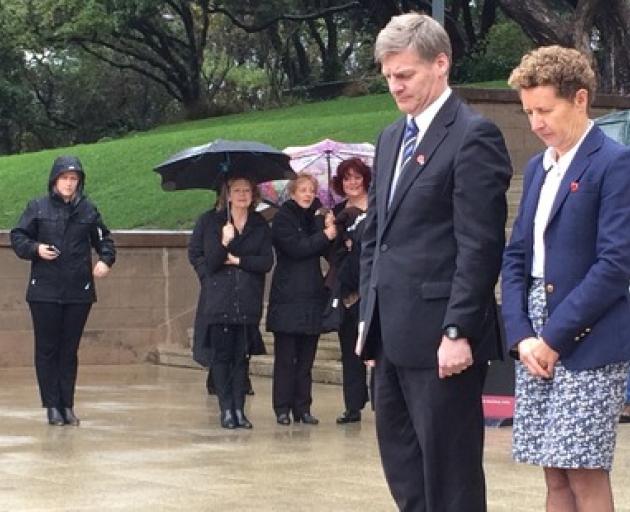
x,y
408,148
409,141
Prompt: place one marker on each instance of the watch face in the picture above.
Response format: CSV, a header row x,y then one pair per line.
x,y
452,333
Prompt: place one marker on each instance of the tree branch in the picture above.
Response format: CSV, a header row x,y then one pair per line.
x,y
283,17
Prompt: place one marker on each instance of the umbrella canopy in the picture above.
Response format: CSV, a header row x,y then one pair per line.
x,y
321,161
209,165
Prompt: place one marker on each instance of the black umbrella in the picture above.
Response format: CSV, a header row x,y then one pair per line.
x,y
209,165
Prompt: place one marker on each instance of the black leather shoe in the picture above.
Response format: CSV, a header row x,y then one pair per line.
x,y
349,417
241,419
306,418
70,418
227,419
54,416
283,419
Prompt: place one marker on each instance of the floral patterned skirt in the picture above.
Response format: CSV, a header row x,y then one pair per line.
x,y
569,421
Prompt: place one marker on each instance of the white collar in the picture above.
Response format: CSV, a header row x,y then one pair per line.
x,y
424,118
549,157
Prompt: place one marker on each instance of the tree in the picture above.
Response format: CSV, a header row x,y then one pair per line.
x,y
595,27
165,41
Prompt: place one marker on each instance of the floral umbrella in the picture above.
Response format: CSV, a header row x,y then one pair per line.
x,y
321,161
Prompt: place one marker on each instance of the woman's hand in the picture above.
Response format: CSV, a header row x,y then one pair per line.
x,y
227,234
330,231
47,252
232,260
546,356
329,219
100,269
537,357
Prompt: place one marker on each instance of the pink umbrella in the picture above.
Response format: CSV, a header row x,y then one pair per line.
x,y
320,160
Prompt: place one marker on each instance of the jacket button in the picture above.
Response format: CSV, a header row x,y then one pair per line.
x,y
587,330
384,247
549,288
577,338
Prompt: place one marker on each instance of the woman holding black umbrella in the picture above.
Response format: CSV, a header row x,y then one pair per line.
x,y
231,252
297,298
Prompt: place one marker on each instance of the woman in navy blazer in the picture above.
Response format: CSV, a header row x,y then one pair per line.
x,y
565,295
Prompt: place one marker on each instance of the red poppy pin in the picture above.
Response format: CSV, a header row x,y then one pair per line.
x,y
574,186
420,159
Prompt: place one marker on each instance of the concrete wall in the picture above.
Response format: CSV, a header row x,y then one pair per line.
x,y
148,301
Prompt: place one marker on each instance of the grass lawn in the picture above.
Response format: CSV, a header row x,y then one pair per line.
x,y
120,177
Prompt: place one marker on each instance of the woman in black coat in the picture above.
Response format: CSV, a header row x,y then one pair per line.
x,y
297,298
57,233
352,182
231,252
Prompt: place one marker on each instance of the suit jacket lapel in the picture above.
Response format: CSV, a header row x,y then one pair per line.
x,y
531,203
387,165
435,134
579,164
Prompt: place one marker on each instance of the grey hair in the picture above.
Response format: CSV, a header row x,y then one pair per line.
x,y
416,31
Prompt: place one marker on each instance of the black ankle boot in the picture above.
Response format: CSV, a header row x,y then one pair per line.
x,y
306,418
241,419
54,416
283,419
349,417
227,419
70,418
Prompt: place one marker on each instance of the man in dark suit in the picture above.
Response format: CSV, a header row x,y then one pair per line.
x,y
431,256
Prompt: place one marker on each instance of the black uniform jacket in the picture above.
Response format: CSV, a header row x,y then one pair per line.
x,y
74,228
298,294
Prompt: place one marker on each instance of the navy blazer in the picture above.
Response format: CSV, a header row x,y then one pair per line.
x,y
433,256
587,257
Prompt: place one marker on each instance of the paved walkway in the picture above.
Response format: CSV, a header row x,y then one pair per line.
x,y
150,441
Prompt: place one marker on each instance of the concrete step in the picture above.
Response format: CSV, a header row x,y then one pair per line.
x,y
326,371
327,347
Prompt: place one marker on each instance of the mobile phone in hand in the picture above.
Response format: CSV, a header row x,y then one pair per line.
x,y
54,248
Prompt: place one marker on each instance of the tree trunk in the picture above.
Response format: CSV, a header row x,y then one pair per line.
x,y
575,28
195,107
613,57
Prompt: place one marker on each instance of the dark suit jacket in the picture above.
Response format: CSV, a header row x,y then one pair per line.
x,y
433,257
587,257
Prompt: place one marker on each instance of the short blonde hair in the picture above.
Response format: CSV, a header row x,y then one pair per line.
x,y
302,176
565,69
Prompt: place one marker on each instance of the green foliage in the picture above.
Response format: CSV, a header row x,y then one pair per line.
x,y
501,52
120,179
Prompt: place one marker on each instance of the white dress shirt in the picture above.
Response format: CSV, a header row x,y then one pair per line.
x,y
555,169
423,121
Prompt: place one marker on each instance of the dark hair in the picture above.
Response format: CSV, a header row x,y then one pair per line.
x,y
222,198
355,164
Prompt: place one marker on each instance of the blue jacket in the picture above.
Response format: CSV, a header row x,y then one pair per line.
x,y
587,258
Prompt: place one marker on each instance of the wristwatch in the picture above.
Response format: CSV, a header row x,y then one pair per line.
x,y
452,332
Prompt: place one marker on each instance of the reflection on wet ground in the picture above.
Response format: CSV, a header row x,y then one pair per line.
x,y
150,441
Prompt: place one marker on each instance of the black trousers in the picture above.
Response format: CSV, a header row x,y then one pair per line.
x,y
229,365
58,329
293,359
355,392
430,433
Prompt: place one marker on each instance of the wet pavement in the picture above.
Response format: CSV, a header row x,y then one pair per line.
x,y
150,441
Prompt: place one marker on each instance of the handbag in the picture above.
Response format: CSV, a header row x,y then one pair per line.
x,y
333,312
